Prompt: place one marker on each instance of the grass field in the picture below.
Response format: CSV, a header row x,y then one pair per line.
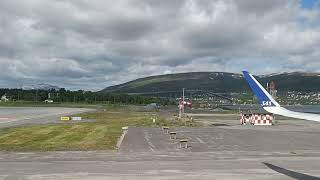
x,y
100,134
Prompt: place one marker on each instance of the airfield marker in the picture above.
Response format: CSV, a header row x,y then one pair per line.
x,y
165,129
65,118
184,143
76,118
173,135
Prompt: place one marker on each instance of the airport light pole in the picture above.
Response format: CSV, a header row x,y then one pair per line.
x,y
182,102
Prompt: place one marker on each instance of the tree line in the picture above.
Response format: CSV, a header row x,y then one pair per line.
x,y
62,95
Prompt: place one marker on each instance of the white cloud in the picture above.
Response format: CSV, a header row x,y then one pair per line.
x,y
97,43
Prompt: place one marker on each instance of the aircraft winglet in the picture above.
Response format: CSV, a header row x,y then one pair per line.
x,y
264,98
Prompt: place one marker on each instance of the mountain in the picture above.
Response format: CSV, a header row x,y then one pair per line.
x,y
41,86
217,82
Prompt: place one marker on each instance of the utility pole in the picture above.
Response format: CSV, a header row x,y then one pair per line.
x,y
182,102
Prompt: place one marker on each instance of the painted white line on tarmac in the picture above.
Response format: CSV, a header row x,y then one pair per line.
x,y
200,140
121,138
147,138
9,121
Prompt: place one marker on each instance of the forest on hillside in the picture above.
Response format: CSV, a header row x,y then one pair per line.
x,y
80,96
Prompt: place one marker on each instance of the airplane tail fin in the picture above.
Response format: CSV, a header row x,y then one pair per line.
x,y
264,98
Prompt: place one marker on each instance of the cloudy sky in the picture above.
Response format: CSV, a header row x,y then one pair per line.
x,y
91,44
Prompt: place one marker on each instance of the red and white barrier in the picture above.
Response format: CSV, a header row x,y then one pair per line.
x,y
256,119
245,118
241,118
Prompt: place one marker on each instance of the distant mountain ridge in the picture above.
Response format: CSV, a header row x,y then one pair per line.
x,y
40,86
218,82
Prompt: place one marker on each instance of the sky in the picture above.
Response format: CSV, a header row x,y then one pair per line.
x,y
92,44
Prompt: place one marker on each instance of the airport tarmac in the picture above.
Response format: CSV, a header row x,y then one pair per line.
x,y
222,138
157,166
223,150
15,116
218,152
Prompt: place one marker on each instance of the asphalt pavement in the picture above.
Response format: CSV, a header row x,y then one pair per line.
x,y
223,150
237,165
15,116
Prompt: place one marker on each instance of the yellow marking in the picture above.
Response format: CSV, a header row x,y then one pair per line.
x,y
65,118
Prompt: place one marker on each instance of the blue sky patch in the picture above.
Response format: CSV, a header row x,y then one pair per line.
x,y
310,4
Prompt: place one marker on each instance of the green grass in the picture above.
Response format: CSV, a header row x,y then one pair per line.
x,y
86,136
101,134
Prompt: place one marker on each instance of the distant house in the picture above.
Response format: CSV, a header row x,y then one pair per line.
x,y
4,98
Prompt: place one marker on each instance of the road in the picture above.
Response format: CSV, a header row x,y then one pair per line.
x,y
14,116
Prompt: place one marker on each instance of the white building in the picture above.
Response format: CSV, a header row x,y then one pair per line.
x,y
4,98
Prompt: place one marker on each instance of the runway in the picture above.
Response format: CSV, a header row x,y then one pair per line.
x,y
159,166
14,116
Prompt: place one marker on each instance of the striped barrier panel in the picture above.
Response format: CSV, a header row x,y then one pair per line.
x,y
264,120
245,118
256,119
241,118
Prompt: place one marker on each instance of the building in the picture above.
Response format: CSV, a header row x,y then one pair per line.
x,y
4,98
271,88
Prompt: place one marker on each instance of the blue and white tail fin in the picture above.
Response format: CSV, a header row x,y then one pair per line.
x,y
264,98
270,105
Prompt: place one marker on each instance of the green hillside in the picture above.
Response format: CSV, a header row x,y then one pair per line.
x,y
217,82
